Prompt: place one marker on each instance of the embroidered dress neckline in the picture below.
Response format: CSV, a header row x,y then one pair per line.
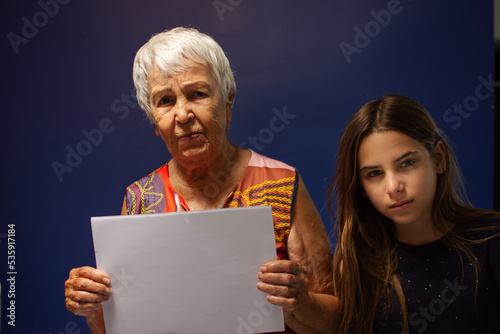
x,y
180,203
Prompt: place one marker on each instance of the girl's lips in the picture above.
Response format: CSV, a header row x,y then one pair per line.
x,y
401,205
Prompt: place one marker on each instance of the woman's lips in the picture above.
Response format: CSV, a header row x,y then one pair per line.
x,y
191,135
401,205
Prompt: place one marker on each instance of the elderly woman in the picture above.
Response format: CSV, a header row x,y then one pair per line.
x,y
186,87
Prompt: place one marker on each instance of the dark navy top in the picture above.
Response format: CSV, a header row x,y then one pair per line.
x,y
441,294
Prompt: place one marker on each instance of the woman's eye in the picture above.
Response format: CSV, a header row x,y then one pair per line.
x,y
199,94
165,100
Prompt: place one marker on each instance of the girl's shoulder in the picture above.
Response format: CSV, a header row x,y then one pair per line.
x,y
479,229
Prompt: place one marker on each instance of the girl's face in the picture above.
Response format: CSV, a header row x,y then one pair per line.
x,y
399,176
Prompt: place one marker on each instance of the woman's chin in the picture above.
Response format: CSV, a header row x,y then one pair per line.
x,y
194,154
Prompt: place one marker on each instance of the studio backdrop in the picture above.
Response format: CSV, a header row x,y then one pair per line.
x,y
73,136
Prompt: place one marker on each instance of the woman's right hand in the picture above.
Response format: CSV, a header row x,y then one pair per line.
x,y
86,289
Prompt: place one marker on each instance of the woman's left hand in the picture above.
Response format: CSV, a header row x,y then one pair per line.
x,y
287,284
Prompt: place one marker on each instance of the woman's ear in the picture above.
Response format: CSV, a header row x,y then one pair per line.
x,y
229,107
157,131
440,156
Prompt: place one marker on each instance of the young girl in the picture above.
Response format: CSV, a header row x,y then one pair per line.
x,y
412,256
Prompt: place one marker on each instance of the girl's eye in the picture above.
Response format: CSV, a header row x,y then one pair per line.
x,y
374,173
407,163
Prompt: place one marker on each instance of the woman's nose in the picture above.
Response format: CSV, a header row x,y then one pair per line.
x,y
183,112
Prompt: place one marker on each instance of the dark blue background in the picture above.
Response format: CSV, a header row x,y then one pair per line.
x,y
286,54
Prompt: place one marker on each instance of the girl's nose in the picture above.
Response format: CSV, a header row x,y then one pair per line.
x,y
394,185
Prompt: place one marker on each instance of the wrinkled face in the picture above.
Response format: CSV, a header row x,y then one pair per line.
x,y
189,113
399,176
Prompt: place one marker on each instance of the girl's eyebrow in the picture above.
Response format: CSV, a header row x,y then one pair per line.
x,y
397,160
368,167
405,155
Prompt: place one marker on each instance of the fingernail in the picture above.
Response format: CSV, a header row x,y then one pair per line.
x,y
106,280
259,285
263,268
259,274
109,290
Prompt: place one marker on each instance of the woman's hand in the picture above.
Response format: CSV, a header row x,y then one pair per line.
x,y
287,284
303,284
86,289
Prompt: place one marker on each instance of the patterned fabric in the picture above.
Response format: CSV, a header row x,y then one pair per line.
x,y
265,182
146,195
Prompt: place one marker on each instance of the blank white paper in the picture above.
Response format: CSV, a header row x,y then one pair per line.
x,y
187,272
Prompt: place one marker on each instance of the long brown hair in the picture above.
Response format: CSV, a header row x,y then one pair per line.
x,y
365,259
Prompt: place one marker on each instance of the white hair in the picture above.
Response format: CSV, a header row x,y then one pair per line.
x,y
169,51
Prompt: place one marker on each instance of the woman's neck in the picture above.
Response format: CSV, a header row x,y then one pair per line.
x,y
206,184
197,172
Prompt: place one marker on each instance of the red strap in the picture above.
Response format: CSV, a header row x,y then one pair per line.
x,y
169,191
